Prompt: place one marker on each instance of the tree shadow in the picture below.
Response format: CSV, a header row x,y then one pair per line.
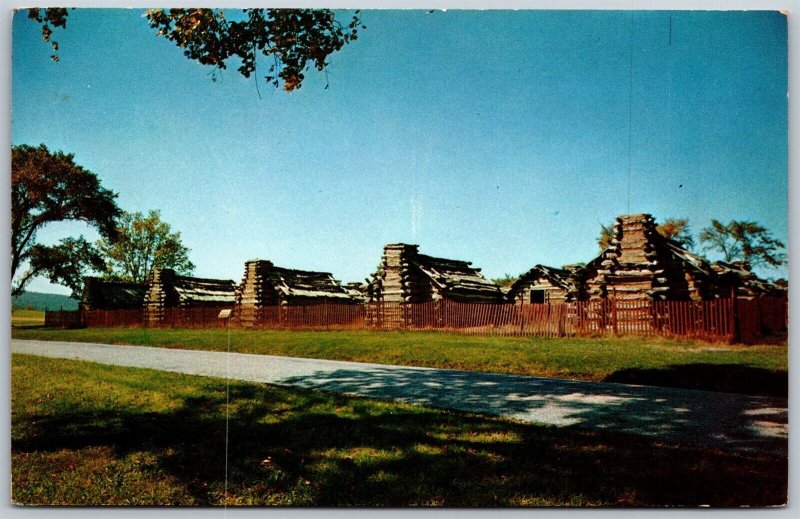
x,y
731,421
727,378
314,448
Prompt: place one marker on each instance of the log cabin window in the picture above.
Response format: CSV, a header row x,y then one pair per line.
x,y
537,297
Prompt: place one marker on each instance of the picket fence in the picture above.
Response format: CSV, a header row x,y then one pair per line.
x,y
720,319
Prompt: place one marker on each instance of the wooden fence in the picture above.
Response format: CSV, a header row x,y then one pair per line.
x,y
706,319
720,319
63,318
310,317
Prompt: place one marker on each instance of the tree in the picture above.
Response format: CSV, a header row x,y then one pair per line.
x,y
677,230
64,264
743,240
291,39
143,243
505,281
49,187
606,235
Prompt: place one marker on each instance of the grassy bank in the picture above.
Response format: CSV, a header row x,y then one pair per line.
x,y
87,434
25,317
720,367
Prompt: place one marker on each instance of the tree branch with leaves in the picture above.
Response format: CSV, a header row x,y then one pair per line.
x,y
743,240
292,40
49,18
677,230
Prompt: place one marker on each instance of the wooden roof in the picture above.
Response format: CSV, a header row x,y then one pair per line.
x,y
99,293
204,290
306,283
745,281
291,283
688,259
456,278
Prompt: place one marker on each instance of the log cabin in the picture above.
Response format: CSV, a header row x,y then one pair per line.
x,y
640,264
166,289
406,276
265,284
543,285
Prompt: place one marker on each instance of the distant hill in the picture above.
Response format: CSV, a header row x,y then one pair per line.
x,y
42,301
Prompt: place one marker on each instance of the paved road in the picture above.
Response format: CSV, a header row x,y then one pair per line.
x,y
724,420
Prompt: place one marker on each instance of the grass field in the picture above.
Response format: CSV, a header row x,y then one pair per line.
x,y
85,434
733,368
27,317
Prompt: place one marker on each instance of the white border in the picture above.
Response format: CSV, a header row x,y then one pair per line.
x,y
9,511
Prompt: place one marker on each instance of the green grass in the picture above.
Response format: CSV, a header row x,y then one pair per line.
x,y
760,369
86,434
27,317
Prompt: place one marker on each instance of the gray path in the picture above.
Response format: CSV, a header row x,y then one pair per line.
x,y
696,417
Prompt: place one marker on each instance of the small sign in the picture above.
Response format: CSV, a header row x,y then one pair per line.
x,y
224,314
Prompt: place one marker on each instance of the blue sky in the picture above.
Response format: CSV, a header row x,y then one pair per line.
x,y
501,137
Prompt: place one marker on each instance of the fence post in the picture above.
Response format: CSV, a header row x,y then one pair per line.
x,y
734,317
654,317
614,309
562,320
604,307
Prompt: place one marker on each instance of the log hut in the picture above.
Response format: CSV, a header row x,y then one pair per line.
x,y
407,276
265,285
640,264
541,285
166,289
102,294
737,275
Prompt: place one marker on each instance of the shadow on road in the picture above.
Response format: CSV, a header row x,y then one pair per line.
x,y
698,418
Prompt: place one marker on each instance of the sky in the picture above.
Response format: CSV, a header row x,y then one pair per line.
x,y
500,137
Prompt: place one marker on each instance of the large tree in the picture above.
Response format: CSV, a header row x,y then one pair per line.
x,y
291,40
143,243
49,187
743,240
